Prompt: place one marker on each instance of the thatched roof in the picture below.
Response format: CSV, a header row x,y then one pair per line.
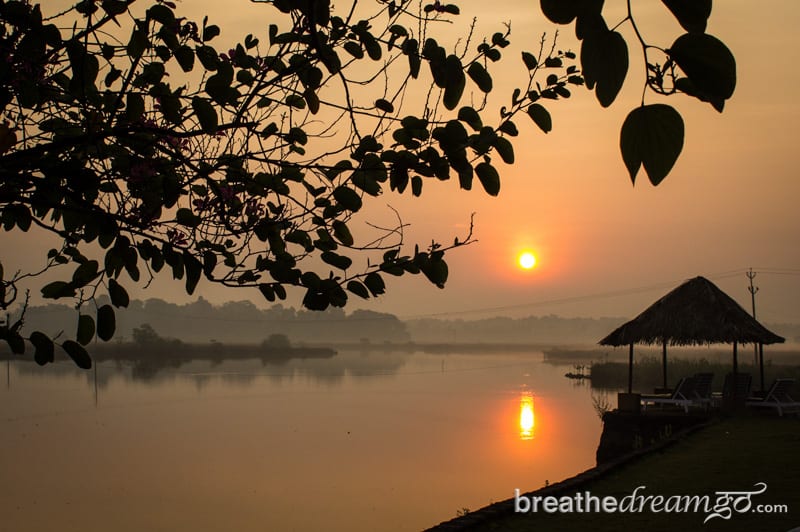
x,y
696,312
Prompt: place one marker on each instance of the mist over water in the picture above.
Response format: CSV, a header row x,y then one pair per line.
x,y
355,441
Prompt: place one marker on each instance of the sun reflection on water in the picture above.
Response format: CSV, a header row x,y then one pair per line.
x,y
527,421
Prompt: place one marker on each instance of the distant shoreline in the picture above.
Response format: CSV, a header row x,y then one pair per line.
x,y
553,353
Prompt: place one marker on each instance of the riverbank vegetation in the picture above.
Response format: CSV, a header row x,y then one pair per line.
x,y
732,455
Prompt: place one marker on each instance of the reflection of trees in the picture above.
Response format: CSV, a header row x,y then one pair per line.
x,y
325,368
234,321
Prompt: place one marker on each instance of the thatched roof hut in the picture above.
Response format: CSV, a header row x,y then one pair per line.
x,y
695,313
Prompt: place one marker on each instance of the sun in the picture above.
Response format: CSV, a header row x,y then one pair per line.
x,y
527,260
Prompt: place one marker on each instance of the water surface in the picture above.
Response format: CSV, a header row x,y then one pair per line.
x,y
356,442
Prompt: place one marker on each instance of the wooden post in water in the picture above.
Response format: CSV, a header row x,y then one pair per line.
x,y
664,360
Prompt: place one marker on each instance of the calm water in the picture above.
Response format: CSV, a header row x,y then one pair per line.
x,y
357,442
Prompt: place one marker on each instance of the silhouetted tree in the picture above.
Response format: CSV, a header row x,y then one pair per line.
x,y
146,149
146,335
277,341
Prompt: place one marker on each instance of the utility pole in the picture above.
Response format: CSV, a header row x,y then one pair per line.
x,y
753,289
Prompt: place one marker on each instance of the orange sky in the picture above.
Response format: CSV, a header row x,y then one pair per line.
x,y
728,204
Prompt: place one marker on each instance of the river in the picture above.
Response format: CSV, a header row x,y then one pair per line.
x,y
368,441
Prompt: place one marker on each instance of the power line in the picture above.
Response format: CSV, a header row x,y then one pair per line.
x,y
477,310
573,299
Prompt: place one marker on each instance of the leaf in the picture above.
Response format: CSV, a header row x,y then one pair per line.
x,y
85,273
371,45
135,107
504,149
185,57
209,32
530,60
375,284
416,186
560,11
480,76
708,63
106,323
219,88
280,291
347,198
604,58
7,138
186,217
691,14
342,233
652,136
44,350
57,289
85,329
315,300
455,82
366,182
114,7
436,271
119,297
161,13
293,100
384,105
78,354
411,49
137,43
334,259
312,100
471,117
206,114
354,49
358,289
208,57
541,117
194,269
267,291
489,178
509,128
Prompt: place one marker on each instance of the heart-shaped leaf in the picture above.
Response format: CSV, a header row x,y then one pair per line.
x,y
604,58
652,136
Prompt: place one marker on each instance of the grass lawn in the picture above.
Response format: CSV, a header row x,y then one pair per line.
x,y
732,455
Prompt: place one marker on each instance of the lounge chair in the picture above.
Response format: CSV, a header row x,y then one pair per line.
x,y
683,395
702,389
734,393
778,398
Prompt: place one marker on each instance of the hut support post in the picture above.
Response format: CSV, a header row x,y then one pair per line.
x,y
630,369
735,362
761,363
664,361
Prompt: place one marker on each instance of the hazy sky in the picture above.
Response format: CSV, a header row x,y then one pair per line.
x,y
730,202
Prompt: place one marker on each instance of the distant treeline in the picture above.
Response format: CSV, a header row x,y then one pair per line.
x,y
536,330
235,322
241,322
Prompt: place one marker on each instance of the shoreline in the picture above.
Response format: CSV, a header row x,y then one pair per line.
x,y
571,484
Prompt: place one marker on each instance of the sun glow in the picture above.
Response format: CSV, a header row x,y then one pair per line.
x,y
526,419
527,260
